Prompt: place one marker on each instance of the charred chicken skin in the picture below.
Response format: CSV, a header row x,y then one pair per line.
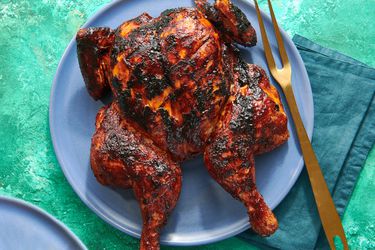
x,y
125,157
180,89
252,122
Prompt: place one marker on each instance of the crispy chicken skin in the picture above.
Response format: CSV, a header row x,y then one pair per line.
x,y
122,156
169,77
230,20
180,89
252,122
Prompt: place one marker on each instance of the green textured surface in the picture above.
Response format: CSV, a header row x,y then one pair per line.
x,y
359,217
33,37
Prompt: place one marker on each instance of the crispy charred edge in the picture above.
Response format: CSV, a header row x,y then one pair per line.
x,y
133,23
94,47
229,19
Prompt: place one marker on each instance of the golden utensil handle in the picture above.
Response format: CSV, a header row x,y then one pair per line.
x,y
330,219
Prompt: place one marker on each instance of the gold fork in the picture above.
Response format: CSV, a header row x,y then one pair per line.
x,y
328,215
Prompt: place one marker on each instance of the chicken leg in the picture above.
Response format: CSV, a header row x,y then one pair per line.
x,y
252,121
94,51
123,156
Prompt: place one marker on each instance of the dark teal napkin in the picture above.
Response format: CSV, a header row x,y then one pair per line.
x,y
344,133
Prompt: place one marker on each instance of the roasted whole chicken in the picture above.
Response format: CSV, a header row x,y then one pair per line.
x,y
180,88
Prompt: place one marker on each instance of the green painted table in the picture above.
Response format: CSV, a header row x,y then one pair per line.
x,y
33,37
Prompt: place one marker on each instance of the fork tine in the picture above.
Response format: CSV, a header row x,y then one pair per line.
x,y
280,42
266,44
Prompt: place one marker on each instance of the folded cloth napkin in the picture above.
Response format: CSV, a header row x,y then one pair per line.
x,y
344,133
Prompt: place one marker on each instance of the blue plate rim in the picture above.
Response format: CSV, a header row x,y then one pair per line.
x,y
31,207
275,203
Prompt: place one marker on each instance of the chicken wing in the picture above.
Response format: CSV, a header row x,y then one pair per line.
x,y
230,20
94,46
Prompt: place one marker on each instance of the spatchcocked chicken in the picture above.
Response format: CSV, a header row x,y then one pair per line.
x,y
180,89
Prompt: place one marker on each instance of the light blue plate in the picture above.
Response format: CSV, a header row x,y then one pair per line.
x,y
205,212
24,226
